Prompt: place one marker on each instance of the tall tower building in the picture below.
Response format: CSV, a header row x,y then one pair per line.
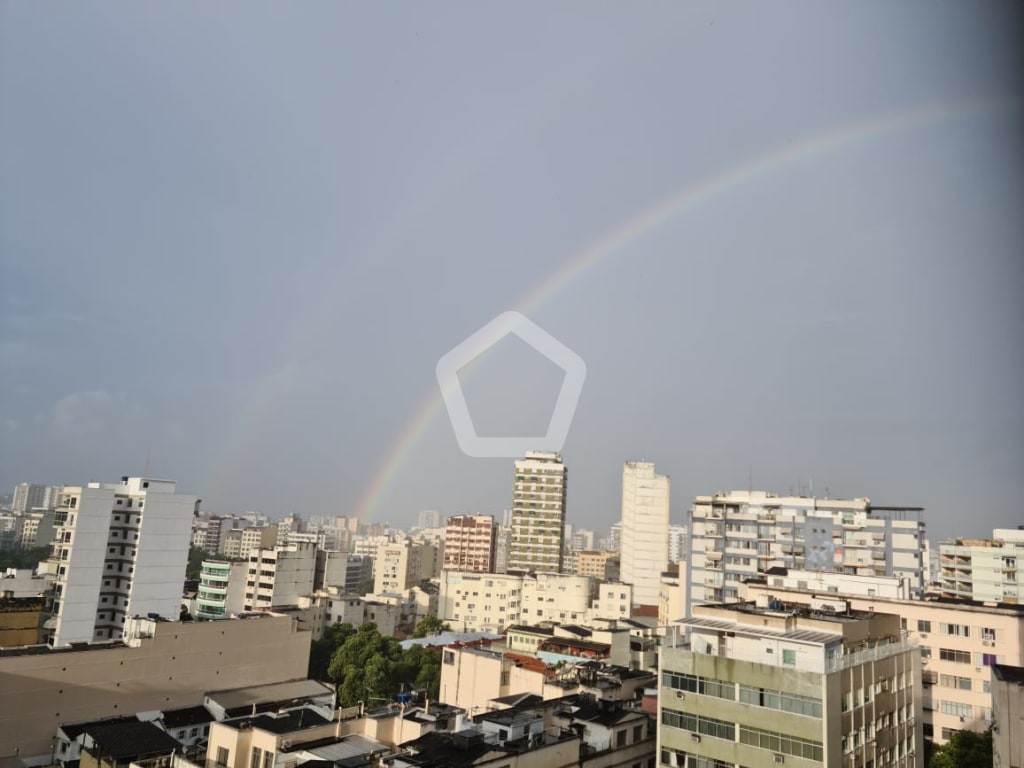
x,y
469,543
644,554
119,550
538,513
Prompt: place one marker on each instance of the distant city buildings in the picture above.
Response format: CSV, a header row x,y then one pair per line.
x,y
119,551
538,513
645,527
676,543
30,496
429,518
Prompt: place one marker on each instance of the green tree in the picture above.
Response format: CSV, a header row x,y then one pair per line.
x,y
430,626
366,665
23,558
322,651
965,749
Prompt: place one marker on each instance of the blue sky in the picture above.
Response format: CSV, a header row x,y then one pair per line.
x,y
236,240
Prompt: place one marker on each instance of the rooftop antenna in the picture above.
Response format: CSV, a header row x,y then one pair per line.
x,y
145,473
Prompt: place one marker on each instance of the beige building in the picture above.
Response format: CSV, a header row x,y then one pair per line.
x,y
765,683
469,542
602,565
160,665
1008,714
959,643
402,564
538,513
987,570
644,532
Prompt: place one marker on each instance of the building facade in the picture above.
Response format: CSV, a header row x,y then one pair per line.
x,y
538,513
984,569
401,564
644,532
279,576
120,550
741,535
959,643
221,589
764,684
469,543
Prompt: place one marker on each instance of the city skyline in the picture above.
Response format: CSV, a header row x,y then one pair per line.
x,y
784,241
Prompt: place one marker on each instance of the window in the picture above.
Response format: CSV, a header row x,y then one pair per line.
x,y
257,757
222,756
789,658
955,630
620,738
638,733
960,657
924,626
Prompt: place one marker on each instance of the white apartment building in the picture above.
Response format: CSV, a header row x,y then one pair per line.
x,y
341,570
676,543
767,684
469,542
120,550
959,643
645,515
254,537
221,589
401,564
37,528
478,602
986,570
538,513
279,576
741,535
29,496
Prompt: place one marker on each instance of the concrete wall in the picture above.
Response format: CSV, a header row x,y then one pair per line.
x,y
173,668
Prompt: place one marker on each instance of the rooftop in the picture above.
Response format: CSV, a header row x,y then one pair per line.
x,y
130,739
1008,673
280,722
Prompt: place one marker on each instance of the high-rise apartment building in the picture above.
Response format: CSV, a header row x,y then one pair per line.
x,y
676,543
428,518
765,684
120,550
279,576
538,513
29,496
740,535
645,512
469,543
399,565
987,570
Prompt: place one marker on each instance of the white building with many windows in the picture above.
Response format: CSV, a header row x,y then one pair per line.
x,y
538,513
120,550
740,535
984,569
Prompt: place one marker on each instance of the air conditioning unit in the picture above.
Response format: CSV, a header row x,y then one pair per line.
x,y
780,758
680,695
988,642
695,738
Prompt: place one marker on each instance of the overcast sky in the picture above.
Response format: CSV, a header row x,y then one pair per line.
x,y
237,237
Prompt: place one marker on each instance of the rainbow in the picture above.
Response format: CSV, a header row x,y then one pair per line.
x,y
650,219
